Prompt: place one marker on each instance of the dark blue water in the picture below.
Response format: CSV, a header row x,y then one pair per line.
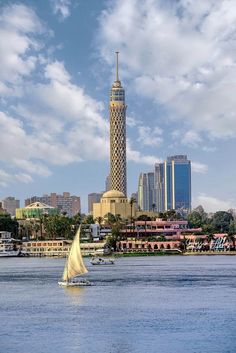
x,y
170,304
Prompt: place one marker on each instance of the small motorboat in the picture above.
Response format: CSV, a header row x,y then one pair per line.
x,y
102,261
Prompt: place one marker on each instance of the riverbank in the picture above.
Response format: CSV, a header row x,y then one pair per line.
x,y
196,253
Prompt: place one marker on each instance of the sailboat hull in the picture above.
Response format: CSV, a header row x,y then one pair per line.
x,y
84,283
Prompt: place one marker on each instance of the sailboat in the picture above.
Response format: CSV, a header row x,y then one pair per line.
x,y
74,266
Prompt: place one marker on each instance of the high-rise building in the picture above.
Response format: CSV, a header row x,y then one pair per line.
x,y
159,181
94,197
65,203
178,185
108,183
118,135
146,192
173,184
10,204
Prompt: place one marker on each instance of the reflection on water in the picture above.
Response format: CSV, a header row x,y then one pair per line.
x,y
157,305
74,294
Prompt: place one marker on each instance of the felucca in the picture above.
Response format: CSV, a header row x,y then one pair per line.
x,y
74,266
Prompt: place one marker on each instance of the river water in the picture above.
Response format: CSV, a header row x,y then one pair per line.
x,y
171,304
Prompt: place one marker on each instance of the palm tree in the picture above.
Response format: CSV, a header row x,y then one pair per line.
x,y
115,222
132,201
183,244
209,238
230,238
99,220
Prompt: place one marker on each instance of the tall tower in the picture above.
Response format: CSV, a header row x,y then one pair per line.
x,y
117,135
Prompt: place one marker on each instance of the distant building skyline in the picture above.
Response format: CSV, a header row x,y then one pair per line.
x,y
146,192
93,197
10,204
168,187
65,203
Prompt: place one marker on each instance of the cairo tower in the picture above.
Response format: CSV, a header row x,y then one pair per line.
x,y
117,135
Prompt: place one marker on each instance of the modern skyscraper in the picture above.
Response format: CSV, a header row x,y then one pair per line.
x,y
173,184
118,135
178,183
159,181
146,192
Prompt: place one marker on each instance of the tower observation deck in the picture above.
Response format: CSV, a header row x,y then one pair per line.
x,y
117,109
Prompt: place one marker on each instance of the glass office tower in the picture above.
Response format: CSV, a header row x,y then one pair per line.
x,y
173,184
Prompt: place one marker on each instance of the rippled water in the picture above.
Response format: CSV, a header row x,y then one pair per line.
x,y
169,304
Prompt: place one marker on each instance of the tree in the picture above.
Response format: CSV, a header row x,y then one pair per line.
x,y
8,224
161,238
132,201
195,220
183,244
99,220
230,238
221,221
58,226
88,219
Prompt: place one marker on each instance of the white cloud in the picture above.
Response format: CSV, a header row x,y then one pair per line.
x,y
180,54
7,178
54,121
18,46
148,136
199,167
191,138
138,157
213,204
61,8
131,121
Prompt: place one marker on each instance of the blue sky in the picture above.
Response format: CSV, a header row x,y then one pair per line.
x,y
57,64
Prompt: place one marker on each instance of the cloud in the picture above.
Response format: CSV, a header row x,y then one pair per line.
x,y
19,27
192,139
7,178
149,137
61,8
131,121
181,55
138,157
213,204
199,167
48,119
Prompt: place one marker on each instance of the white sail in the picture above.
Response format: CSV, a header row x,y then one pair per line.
x,y
75,265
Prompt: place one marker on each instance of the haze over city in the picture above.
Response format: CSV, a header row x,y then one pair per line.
x,y
57,65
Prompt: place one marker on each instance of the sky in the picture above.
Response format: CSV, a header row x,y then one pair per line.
x,y
57,65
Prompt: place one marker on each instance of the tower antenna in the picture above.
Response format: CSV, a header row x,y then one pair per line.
x,y
117,65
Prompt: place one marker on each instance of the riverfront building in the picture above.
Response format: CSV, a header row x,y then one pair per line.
x,y
67,203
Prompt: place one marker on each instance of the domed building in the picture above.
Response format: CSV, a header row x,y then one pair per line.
x,y
112,201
